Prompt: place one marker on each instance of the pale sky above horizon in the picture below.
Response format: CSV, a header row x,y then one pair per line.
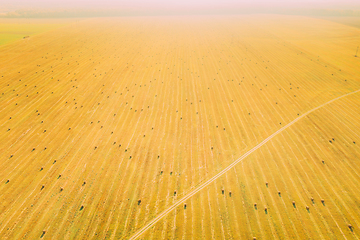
x,y
185,4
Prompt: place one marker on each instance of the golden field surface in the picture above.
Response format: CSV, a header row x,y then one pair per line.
x,y
16,29
109,126
350,21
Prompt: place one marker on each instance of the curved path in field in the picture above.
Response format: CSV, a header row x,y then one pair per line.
x,y
205,184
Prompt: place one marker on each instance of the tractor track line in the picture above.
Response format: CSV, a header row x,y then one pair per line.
x,y
205,184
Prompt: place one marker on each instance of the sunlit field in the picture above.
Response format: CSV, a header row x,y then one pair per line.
x,y
212,127
15,29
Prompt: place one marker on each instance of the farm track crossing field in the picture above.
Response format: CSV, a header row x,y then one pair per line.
x,y
106,123
225,170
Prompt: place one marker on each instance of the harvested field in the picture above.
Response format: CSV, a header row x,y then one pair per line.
x,y
106,123
16,29
350,21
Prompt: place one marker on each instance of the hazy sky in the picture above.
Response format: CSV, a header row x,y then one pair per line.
x,y
204,4
80,8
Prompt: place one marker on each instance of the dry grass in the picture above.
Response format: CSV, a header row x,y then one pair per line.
x,y
139,111
22,29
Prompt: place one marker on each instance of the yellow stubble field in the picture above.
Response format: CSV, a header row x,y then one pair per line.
x,y
15,29
101,113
